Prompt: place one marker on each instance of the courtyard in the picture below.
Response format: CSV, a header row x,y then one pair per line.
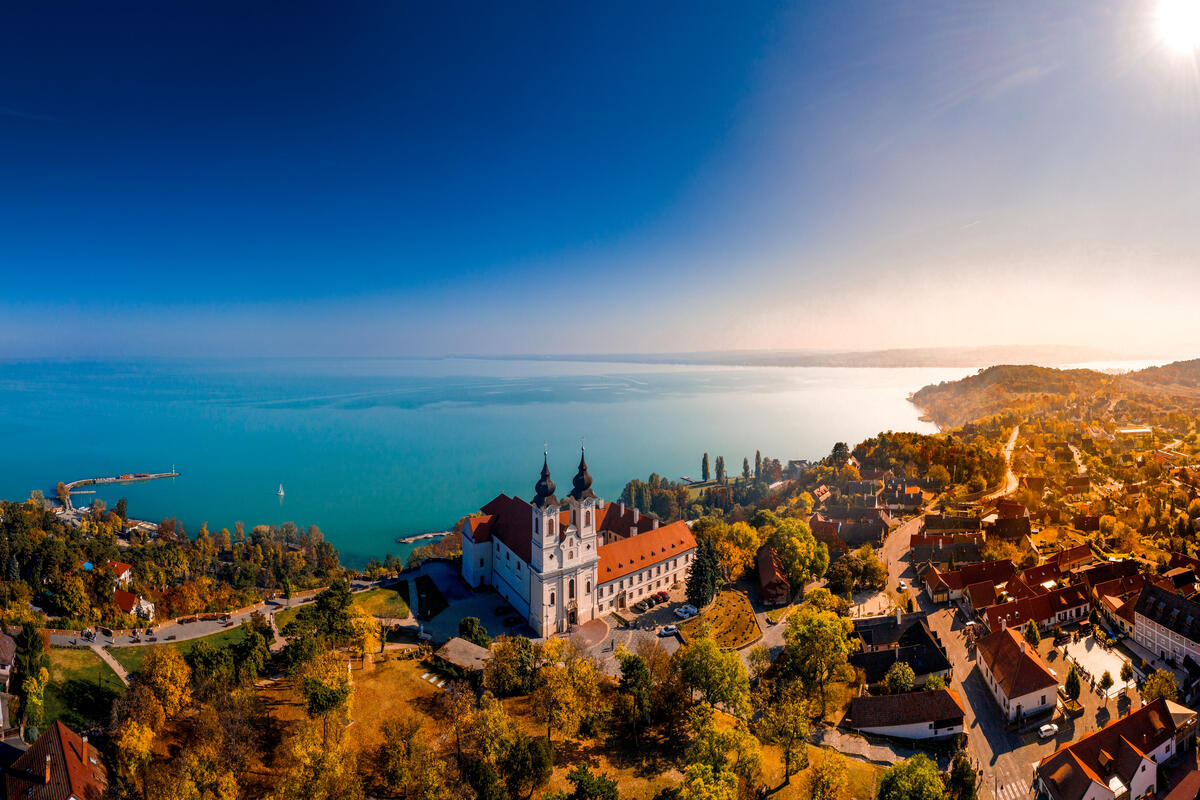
x,y
1093,660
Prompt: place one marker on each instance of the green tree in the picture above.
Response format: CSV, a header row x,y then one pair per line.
x,y
757,464
512,667
839,455
702,782
900,678
527,765
704,574
783,720
1106,682
915,778
1072,685
746,469
588,786
471,629
1126,674
829,779
121,509
818,647
963,781
1031,634
721,469
935,683
634,689
1160,683
704,473
719,676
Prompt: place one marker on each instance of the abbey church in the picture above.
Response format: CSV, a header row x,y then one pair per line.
x,y
561,563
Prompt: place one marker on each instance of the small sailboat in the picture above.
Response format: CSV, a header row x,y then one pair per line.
x,y
280,492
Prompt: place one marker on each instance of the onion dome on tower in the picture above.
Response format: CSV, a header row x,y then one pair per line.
x,y
544,488
583,481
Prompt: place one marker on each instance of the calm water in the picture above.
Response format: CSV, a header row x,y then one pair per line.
x,y
374,449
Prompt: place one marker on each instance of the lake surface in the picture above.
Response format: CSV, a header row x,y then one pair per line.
x,y
374,449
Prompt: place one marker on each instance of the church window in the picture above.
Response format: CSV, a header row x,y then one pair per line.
x,y
587,518
550,527
571,554
552,599
588,589
571,589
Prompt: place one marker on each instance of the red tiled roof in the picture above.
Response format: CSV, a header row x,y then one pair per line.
x,y
126,601
628,555
72,773
1040,608
1016,667
119,567
770,570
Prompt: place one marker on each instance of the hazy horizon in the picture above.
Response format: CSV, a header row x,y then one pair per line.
x,y
219,180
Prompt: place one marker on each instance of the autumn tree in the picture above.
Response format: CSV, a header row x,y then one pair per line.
x,y
317,768
1072,685
818,647
962,783
512,668
326,689
829,779
1126,675
1106,682
720,677
915,778
900,678
782,719
567,697
408,763
1031,634
1160,683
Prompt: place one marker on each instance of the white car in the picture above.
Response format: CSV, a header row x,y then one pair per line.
x,y
685,612
1048,731
901,586
667,630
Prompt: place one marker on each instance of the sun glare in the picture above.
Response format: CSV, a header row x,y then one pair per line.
x,y
1179,24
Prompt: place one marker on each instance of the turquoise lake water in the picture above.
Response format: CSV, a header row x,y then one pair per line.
x,y
374,449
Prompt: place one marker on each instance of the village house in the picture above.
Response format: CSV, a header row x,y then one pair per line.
x,y
134,604
911,715
1020,682
773,586
561,566
60,765
1056,607
1167,625
1124,758
463,657
951,522
887,639
123,573
8,658
943,587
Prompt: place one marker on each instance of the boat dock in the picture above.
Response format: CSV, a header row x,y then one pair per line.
x,y
129,477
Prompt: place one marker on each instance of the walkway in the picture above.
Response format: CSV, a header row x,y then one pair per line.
x,y
856,746
1010,477
107,658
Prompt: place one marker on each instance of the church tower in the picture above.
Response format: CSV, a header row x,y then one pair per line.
x,y
582,502
545,519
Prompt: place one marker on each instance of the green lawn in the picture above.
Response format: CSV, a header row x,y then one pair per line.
x,y
385,601
131,656
81,689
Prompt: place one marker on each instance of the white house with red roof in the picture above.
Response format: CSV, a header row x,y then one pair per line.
x,y
562,563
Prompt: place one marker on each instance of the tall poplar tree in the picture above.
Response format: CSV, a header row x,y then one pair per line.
x,y
704,468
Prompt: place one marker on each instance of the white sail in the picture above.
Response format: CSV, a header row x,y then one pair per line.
x,y
280,492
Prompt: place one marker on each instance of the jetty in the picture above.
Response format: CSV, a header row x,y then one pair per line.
x,y
129,477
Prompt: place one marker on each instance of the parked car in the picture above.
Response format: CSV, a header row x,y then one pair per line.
x,y
667,630
662,597
638,607
901,586
685,612
1048,731
650,602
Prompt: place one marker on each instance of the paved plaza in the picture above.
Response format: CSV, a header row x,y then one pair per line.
x,y
1093,659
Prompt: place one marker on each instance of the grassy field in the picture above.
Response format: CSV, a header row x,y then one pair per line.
x,y
385,601
82,688
131,657
730,620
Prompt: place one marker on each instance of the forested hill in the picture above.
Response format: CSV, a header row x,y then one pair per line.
x,y
1030,389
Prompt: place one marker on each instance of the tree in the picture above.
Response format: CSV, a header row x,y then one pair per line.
x,y
702,782
588,786
528,765
1106,682
63,494
121,509
757,464
963,781
783,720
719,676
456,705
568,695
704,468
818,646
1160,683
939,476
900,678
316,769
720,469
703,575
510,670
746,469
1031,634
326,688
829,779
934,683
634,687
408,762
915,778
471,629
839,455
1072,685
33,688
1126,675
168,677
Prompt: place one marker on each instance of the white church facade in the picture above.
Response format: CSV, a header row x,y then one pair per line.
x,y
563,563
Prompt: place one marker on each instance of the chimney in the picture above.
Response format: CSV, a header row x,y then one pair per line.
x,y
47,770
636,515
654,524
1024,645
622,508
897,615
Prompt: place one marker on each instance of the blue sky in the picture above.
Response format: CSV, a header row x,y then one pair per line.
x,y
404,178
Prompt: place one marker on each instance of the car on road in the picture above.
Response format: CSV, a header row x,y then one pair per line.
x,y
901,586
667,630
1048,731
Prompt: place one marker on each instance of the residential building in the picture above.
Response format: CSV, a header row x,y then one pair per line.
x,y
912,715
1056,607
887,639
1167,624
60,765
8,659
1123,759
134,604
1020,682
773,586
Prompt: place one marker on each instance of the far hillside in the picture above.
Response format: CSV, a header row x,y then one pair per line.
x,y
1031,389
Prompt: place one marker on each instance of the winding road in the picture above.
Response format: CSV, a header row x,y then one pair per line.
x,y
1010,477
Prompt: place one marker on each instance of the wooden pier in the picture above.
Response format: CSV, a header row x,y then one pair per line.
x,y
129,477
